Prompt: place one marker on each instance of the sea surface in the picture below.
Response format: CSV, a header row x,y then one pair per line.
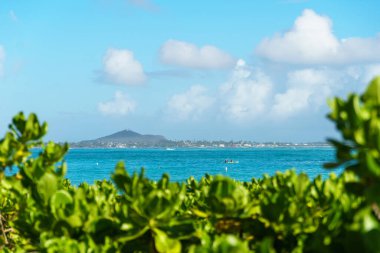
x,y
87,165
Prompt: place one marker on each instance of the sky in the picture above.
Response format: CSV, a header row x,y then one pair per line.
x,y
198,70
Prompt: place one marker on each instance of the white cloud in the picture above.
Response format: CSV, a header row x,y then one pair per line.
x,y
191,104
245,96
311,41
307,89
370,72
291,102
120,105
120,67
184,54
250,94
2,58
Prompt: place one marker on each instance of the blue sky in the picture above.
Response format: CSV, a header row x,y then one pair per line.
x,y
254,70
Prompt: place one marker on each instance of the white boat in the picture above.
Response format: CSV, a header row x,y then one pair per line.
x,y
231,162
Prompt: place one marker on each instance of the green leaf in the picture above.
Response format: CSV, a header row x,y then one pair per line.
x,y
47,185
372,95
373,165
163,243
61,198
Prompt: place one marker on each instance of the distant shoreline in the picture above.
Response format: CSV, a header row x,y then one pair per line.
x,y
210,148
130,139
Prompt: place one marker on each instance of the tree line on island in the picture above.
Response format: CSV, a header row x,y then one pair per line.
x,y
131,139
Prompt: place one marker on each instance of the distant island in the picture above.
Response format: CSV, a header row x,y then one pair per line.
x,y
131,139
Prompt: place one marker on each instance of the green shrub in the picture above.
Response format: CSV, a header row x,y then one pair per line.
x,y
40,211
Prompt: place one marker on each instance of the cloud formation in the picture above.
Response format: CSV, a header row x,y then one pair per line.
x,y
370,72
306,89
184,54
250,94
246,94
191,104
120,105
120,67
311,41
2,59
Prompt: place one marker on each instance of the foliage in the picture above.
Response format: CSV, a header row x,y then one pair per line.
x,y
40,211
358,120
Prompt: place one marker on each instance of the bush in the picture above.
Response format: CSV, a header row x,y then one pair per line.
x,y
40,211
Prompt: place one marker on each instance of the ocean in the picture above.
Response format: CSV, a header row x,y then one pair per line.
x,y
87,165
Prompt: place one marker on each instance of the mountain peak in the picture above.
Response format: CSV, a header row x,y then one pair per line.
x,y
129,136
121,135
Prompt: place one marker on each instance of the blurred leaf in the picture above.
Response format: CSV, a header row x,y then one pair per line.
x,y
165,244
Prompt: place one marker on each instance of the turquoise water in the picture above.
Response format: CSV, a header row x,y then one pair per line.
x,y
95,164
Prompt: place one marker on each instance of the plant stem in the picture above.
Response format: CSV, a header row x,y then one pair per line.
x,y
2,229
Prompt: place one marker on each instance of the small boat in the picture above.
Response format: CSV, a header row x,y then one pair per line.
x,y
170,149
231,161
